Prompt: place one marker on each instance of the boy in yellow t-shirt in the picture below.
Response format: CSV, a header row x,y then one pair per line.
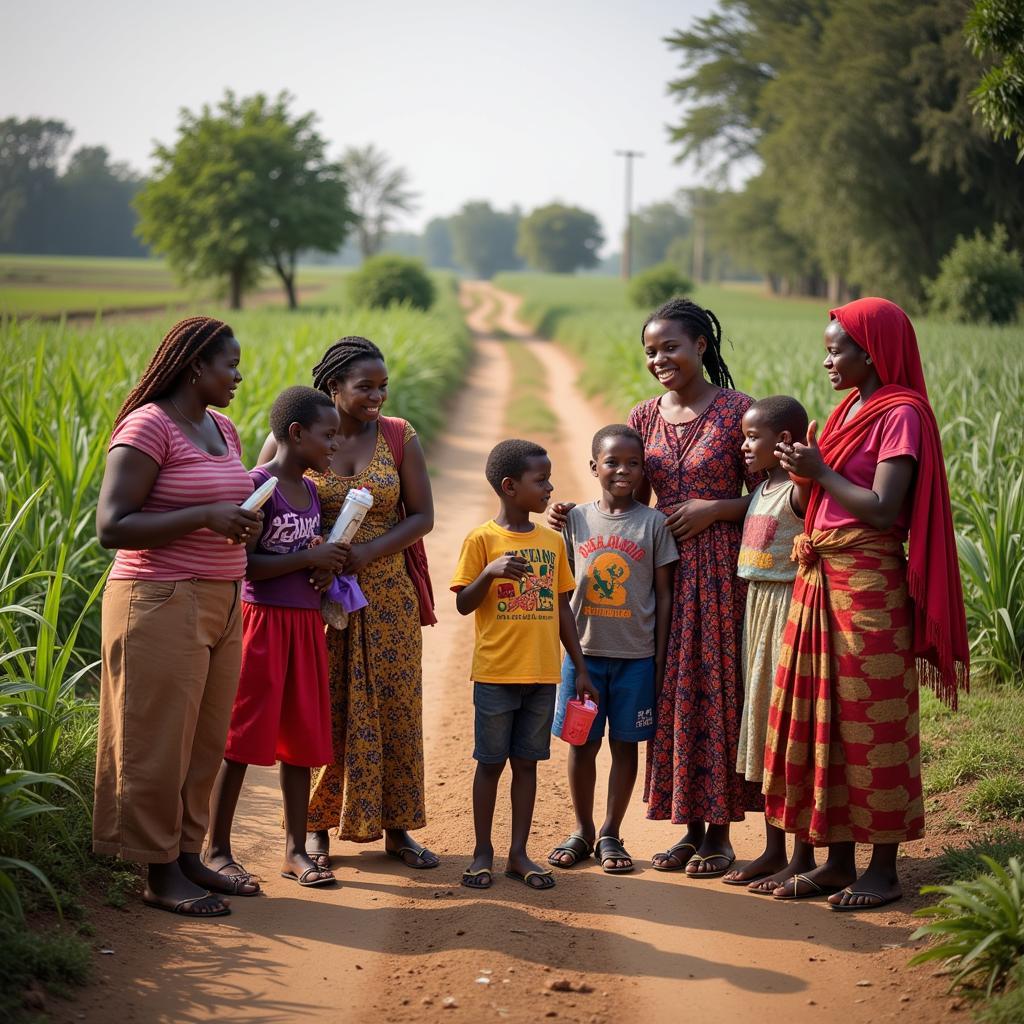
x,y
515,575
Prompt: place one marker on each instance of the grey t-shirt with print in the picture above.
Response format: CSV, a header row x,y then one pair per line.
x,y
613,558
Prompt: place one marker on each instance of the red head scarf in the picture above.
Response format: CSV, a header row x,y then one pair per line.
x,y
885,332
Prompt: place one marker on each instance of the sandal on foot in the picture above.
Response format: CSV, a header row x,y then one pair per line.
x,y
747,881
419,854
576,846
810,887
611,848
846,908
672,854
717,872
475,879
758,888
187,907
321,860
547,880
302,879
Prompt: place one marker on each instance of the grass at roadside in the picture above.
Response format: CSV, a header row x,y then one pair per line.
x,y
528,411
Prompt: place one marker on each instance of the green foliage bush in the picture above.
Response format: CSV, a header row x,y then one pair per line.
x,y
57,960
1008,1007
979,281
389,279
979,927
650,288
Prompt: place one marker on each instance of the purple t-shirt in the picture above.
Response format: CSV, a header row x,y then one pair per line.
x,y
285,529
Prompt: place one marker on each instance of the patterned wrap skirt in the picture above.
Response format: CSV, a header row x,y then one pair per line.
x,y
842,758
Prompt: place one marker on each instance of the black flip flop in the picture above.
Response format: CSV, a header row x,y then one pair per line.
x,y
671,852
468,875
181,907
418,854
547,876
301,879
618,852
852,907
576,846
718,872
813,890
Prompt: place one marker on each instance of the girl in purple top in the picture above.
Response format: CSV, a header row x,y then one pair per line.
x,y
282,710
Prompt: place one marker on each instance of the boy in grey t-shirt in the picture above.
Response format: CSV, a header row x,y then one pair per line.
x,y
622,555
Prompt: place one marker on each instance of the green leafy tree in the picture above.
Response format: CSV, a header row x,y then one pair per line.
x,y
484,239
246,185
995,33
379,192
96,206
656,285
979,281
559,239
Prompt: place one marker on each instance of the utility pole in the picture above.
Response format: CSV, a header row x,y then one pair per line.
x,y
627,234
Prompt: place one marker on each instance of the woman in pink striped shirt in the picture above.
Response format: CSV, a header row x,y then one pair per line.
x,y
171,635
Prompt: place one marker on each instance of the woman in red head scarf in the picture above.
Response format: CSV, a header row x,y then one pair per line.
x,y
867,620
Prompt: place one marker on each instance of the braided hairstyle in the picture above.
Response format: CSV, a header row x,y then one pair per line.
x,y
186,340
340,358
698,322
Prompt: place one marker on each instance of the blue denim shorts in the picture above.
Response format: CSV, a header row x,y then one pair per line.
x,y
625,694
513,720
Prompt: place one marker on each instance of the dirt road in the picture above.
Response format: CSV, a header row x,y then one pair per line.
x,y
391,944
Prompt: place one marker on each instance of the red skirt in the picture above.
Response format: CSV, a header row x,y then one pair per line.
x,y
842,757
282,711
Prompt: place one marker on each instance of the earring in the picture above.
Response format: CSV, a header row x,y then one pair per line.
x,y
192,379
868,360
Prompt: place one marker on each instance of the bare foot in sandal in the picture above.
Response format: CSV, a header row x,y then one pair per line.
x,y
678,856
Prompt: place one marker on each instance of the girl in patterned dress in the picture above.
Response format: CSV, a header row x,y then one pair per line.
x,y
374,786
694,466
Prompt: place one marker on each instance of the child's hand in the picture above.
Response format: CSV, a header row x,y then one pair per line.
x,y
585,688
320,579
358,556
509,566
558,514
803,460
331,557
692,516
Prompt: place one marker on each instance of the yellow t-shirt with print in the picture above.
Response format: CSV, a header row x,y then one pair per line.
x,y
517,622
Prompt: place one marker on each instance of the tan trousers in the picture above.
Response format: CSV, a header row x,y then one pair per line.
x,y
171,652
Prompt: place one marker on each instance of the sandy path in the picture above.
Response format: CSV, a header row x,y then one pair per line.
x,y
391,944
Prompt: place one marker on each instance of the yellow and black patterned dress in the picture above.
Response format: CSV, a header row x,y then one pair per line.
x,y
376,780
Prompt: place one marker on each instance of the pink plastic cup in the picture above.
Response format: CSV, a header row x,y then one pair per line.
x,y
579,717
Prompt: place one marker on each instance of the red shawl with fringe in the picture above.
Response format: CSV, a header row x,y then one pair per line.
x,y
885,332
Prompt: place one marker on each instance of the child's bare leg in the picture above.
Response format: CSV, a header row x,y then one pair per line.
x,y
295,793
621,780
582,781
218,859
524,795
772,859
485,793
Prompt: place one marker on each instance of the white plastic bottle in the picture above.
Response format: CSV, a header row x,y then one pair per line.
x,y
357,503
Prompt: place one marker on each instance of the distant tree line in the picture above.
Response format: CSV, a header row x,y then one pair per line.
x,y
83,209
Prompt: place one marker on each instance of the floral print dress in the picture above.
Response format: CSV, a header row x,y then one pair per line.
x,y
376,779
691,761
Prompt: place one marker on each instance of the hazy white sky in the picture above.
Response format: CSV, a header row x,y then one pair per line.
x,y
520,102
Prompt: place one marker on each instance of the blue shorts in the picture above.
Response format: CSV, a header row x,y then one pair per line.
x,y
512,720
625,694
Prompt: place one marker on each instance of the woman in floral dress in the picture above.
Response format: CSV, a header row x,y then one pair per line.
x,y
375,786
694,466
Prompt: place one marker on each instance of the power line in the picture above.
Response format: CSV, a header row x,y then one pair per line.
x,y
627,234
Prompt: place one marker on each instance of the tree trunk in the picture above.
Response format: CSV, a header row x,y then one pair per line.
x,y
285,267
235,293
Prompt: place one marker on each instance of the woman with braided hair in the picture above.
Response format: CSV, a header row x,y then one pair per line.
x,y
375,786
693,464
171,623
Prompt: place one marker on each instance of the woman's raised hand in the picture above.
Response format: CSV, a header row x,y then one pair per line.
x,y
231,521
558,514
803,460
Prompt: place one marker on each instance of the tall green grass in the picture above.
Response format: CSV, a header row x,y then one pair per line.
x,y
975,380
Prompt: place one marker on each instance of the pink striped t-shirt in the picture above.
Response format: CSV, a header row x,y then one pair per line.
x,y
188,476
